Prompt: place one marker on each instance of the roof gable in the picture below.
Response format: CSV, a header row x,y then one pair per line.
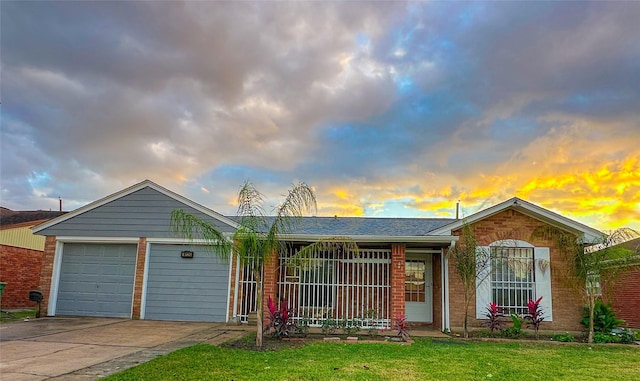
x,y
122,199
534,211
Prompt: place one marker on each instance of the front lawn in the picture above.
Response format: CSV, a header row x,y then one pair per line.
x,y
424,360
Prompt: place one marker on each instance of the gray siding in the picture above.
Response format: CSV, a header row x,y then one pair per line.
x,y
194,289
96,280
145,213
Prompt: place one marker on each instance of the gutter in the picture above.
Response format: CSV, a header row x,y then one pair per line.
x,y
445,240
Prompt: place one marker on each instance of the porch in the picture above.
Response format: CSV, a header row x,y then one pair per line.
x,y
367,288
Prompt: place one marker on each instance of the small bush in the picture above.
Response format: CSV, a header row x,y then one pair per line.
x,y
563,338
494,323
512,333
623,336
604,318
302,328
281,319
535,316
372,332
483,333
329,327
603,338
402,326
350,327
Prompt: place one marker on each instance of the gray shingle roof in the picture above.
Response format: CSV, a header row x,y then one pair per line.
x,y
366,226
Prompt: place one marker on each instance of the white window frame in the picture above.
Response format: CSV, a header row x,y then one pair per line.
x,y
542,268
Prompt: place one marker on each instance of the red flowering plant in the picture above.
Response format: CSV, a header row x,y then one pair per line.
x,y
494,322
280,319
535,314
402,326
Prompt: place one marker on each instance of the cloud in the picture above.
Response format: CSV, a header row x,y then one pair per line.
x,y
386,108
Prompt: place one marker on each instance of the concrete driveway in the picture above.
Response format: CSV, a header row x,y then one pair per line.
x,y
83,348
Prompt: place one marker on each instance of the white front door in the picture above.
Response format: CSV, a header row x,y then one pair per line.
x,y
418,288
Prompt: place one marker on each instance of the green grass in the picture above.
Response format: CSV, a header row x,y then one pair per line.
x,y
424,360
15,316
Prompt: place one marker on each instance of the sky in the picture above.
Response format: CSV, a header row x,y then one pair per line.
x,y
387,109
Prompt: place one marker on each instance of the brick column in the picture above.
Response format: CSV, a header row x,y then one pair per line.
x,y
46,273
397,281
139,278
232,290
269,283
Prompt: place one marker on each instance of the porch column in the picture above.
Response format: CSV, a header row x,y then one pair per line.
x,y
46,272
138,279
269,283
398,256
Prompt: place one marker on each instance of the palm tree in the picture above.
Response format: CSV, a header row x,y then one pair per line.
x,y
471,263
257,236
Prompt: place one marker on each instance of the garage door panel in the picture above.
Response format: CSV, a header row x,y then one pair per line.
x,y
190,289
168,288
96,280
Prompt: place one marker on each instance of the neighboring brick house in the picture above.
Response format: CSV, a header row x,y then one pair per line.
x,y
118,257
624,290
21,254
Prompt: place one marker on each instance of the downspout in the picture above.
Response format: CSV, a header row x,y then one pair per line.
x,y
446,288
443,280
235,290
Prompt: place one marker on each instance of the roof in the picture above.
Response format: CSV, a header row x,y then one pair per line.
x,y
130,190
589,234
25,217
364,226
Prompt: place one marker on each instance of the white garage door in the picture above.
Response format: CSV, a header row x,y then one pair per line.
x,y
96,280
187,289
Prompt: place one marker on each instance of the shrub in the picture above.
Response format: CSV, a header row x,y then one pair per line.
x,y
604,318
511,333
494,322
302,327
603,338
563,337
329,326
281,321
372,332
624,336
514,332
402,326
534,316
350,327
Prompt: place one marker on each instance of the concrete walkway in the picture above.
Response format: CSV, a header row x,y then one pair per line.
x,y
82,348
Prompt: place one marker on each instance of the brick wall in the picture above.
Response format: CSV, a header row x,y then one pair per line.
x,y
624,294
510,224
398,256
139,278
270,284
46,272
20,269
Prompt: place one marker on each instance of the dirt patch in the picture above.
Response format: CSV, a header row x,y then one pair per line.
x,y
269,344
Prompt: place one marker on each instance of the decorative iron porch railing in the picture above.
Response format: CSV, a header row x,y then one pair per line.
x,y
339,285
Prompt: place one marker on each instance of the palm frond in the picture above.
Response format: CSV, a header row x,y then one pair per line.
x,y
304,256
189,226
250,202
299,201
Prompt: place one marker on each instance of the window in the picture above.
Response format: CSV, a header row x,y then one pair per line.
x,y
414,287
512,278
